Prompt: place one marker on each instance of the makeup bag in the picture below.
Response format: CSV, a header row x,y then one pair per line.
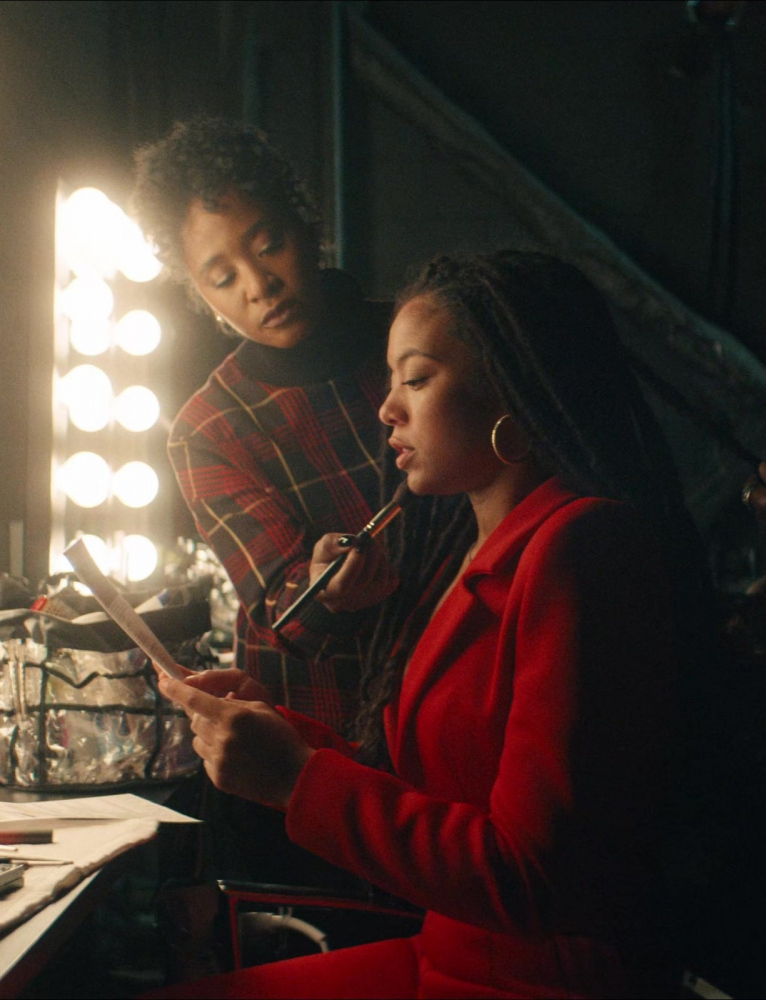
x,y
79,706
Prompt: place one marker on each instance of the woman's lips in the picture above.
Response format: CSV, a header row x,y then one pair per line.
x,y
280,315
403,452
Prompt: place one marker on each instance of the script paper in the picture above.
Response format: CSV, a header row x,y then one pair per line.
x,y
87,833
93,807
88,847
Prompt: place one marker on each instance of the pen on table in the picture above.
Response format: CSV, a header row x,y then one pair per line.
x,y
370,530
33,859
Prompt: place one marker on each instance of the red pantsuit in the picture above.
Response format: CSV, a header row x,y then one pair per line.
x,y
529,745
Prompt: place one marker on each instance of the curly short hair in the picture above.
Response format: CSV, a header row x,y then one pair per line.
x,y
207,158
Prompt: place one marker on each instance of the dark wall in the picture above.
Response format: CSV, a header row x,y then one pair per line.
x,y
613,105
287,85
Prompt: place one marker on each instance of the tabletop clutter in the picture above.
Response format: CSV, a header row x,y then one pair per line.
x,y
61,841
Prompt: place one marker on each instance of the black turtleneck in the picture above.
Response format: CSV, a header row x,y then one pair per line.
x,y
351,330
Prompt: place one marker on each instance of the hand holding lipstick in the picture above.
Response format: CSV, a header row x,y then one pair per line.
x,y
364,578
368,580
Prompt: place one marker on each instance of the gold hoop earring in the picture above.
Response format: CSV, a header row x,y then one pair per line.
x,y
507,461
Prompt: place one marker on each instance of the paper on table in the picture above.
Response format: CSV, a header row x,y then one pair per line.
x,y
90,847
118,608
90,809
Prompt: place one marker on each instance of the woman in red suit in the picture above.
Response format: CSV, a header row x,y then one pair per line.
x,y
527,731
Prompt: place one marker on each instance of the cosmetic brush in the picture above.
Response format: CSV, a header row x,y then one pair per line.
x,y
373,527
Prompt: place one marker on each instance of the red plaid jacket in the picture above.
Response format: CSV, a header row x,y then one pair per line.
x,y
276,449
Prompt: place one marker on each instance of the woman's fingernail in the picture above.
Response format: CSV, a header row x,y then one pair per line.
x,y
346,541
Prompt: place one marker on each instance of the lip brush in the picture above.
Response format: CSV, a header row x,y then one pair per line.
x,y
370,530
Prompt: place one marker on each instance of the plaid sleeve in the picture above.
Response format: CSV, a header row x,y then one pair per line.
x,y
263,536
265,552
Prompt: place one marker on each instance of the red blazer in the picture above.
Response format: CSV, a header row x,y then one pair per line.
x,y
529,746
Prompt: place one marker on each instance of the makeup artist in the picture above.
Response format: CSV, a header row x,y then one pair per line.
x,y
278,448
523,721
282,443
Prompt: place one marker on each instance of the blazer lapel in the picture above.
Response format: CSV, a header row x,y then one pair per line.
x,y
482,591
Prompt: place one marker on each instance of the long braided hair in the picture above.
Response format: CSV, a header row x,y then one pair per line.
x,y
546,347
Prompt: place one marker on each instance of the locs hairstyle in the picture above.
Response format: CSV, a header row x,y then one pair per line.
x,y
545,345
208,158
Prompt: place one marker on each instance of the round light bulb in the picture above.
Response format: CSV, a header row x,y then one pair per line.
x,y
85,478
89,233
136,258
140,557
87,300
138,332
91,337
87,392
135,484
137,408
102,556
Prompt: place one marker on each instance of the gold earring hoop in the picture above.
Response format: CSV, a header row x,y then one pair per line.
x,y
507,461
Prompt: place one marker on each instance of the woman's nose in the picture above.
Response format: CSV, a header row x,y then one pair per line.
x,y
260,283
390,411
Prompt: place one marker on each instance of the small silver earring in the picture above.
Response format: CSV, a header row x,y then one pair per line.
x,y
507,461
225,327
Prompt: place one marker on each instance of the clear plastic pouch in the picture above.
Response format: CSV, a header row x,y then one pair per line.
x,y
84,717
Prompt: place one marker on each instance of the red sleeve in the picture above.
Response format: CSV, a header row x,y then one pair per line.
x,y
588,630
315,733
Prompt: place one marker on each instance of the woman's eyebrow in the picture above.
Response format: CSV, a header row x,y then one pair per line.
x,y
413,352
251,232
245,240
210,263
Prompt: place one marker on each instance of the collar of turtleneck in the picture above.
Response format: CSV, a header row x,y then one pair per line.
x,y
351,331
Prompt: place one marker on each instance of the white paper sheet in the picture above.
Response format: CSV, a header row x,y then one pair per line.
x,y
95,807
88,847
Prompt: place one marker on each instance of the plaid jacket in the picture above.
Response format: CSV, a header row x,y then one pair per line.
x,y
276,449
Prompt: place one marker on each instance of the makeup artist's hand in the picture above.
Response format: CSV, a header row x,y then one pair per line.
x,y
364,579
248,749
